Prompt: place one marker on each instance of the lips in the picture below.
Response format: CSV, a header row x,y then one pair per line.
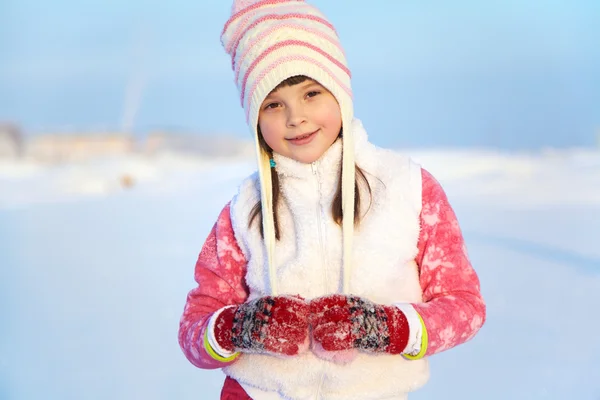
x,y
304,138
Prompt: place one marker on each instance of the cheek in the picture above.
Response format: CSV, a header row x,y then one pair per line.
x,y
330,112
270,130
333,117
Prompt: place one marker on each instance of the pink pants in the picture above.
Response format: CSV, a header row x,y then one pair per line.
x,y
232,390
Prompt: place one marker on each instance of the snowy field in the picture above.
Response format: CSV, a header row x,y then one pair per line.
x,y
93,275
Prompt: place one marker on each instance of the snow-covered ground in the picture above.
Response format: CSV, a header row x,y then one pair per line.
x,y
94,274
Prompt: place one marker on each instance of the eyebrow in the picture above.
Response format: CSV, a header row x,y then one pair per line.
x,y
313,84
309,84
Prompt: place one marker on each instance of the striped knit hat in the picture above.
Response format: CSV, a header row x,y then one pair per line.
x,y
270,41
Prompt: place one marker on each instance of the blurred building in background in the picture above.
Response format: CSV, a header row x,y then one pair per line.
x,y
64,147
61,147
194,144
11,141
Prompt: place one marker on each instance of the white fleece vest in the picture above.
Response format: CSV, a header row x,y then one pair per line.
x,y
308,261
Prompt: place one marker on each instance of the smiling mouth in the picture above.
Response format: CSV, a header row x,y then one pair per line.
x,y
303,136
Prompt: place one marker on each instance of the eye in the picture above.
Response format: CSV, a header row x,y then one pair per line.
x,y
270,106
313,93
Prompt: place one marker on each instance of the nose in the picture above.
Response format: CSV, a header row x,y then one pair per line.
x,y
295,116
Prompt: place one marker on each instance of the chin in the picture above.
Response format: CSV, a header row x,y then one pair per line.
x,y
306,155
307,160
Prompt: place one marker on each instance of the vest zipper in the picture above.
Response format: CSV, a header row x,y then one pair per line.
x,y
318,395
315,171
314,166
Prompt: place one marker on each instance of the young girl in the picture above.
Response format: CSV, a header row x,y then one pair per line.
x,y
339,267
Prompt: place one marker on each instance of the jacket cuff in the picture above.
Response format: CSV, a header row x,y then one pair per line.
x,y
210,342
417,337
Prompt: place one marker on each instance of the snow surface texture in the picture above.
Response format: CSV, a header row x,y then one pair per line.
x,y
96,260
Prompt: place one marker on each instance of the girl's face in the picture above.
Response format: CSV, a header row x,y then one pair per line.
x,y
300,121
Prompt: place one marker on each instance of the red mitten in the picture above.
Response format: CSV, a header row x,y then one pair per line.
x,y
276,325
344,322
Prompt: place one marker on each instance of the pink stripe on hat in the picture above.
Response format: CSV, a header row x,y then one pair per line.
x,y
273,29
241,32
277,27
234,30
243,10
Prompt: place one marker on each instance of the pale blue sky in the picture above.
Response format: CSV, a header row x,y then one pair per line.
x,y
503,73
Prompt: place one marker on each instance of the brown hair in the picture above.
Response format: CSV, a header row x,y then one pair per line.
x,y
336,206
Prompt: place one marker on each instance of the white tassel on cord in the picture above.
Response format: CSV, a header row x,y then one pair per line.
x,y
348,177
266,196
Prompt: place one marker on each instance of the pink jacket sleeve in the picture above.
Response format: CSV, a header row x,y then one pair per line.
x,y
220,272
453,309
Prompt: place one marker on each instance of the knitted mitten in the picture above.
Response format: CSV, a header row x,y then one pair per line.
x,y
344,322
276,325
